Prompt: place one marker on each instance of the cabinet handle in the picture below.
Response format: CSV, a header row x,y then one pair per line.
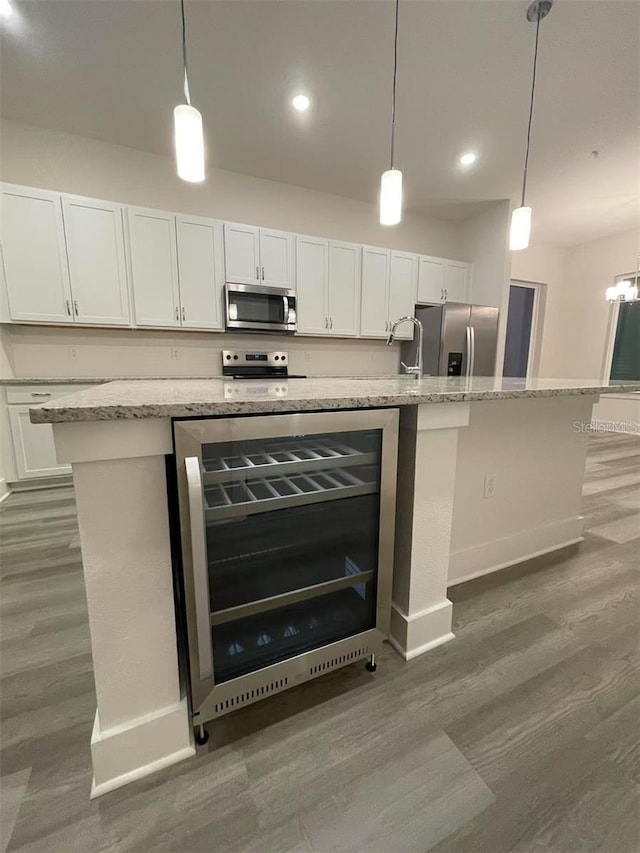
x,y
40,393
331,322
326,323
263,273
75,306
183,317
446,293
177,313
68,307
258,273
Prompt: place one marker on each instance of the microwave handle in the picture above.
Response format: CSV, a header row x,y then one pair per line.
x,y
199,561
286,309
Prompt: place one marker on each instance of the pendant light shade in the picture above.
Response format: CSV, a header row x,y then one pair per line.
x,y
391,197
391,181
189,140
187,127
520,228
521,217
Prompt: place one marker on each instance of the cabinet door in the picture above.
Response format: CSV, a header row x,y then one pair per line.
x,y
344,288
241,254
430,279
154,267
455,281
312,274
277,259
374,308
402,291
33,445
200,272
35,260
95,248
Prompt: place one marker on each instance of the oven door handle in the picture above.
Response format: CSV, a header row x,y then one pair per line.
x,y
199,562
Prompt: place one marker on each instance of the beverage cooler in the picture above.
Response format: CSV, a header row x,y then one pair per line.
x,y
287,525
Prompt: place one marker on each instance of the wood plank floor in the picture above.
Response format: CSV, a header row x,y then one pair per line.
x,y
520,735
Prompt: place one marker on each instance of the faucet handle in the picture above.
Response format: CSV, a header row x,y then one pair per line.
x,y
414,368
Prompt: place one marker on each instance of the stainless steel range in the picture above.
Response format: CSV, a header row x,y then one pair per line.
x,y
239,364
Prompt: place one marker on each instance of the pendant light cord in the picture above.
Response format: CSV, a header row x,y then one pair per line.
x,y
187,96
533,90
395,75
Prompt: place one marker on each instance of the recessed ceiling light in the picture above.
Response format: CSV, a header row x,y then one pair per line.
x,y
6,9
301,103
468,158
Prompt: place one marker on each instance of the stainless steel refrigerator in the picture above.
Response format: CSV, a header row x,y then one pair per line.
x,y
459,340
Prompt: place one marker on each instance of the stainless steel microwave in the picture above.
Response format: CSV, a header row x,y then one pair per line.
x,y
258,308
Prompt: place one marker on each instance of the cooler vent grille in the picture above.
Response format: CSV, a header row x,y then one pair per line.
x,y
340,660
250,695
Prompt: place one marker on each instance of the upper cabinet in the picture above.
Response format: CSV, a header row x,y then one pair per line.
x,y
328,287
35,261
176,270
388,291
344,288
441,280
154,267
200,272
403,279
97,267
259,256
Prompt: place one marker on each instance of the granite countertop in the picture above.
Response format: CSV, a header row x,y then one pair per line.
x,y
196,397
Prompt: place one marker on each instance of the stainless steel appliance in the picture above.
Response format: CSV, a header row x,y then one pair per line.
x,y
257,365
287,528
459,340
256,307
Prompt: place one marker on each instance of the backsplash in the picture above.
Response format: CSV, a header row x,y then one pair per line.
x,y
34,351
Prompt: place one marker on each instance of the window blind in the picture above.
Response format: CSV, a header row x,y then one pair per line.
x,y
625,364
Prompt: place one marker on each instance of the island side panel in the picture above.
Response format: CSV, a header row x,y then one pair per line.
x,y
421,613
142,720
535,449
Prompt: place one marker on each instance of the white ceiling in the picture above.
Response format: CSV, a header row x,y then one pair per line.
x,y
111,69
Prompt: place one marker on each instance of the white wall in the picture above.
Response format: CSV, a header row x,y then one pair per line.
x,y
484,240
6,455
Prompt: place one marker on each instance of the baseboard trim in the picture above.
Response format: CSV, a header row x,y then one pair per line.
x,y
5,491
518,560
525,545
145,745
414,634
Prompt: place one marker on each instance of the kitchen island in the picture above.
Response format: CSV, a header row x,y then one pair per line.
x,y
489,473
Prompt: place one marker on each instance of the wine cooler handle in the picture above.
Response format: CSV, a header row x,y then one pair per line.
x,y
200,574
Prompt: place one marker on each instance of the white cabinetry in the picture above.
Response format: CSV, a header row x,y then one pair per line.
x,y
33,251
33,446
388,291
97,267
201,272
328,287
344,288
154,267
403,278
441,280
258,256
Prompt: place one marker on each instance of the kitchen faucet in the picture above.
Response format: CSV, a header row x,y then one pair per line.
x,y
413,369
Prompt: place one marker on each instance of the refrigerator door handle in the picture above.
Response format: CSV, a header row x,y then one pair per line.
x,y
199,560
469,351
473,351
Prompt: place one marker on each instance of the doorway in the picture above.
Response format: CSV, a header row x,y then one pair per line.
x,y
522,329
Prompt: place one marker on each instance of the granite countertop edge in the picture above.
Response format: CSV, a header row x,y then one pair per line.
x,y
76,409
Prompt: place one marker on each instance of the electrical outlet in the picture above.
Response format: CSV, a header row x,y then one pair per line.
x,y
174,353
489,485
73,353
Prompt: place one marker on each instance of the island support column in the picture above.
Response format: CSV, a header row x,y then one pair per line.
x,y
142,721
421,614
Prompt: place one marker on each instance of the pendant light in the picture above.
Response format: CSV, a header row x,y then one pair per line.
x,y
521,216
391,181
187,125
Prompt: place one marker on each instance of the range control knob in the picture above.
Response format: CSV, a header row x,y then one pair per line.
x,y
235,358
228,357
276,358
